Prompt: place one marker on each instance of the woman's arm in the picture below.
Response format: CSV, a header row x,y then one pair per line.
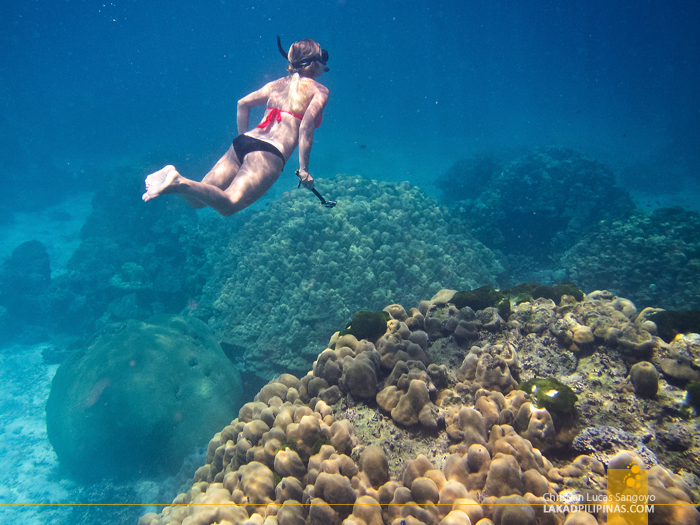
x,y
306,133
256,98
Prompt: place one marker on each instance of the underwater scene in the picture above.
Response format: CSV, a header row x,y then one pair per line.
x,y
477,302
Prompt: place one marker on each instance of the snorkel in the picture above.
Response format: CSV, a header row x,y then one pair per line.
x,y
306,62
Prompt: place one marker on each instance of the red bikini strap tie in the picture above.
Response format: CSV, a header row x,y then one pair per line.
x,y
274,114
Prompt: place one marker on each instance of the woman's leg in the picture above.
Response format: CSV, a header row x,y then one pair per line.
x,y
228,187
166,180
260,170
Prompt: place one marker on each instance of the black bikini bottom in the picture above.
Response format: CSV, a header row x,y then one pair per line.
x,y
243,144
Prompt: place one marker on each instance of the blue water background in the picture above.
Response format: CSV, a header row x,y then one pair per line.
x,y
415,86
89,86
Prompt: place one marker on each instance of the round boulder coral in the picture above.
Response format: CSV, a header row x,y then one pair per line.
x,y
140,398
645,379
415,407
375,465
360,374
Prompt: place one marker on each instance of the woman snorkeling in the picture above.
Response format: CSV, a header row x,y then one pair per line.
x,y
256,158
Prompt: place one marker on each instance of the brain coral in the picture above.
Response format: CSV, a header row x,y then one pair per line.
x,y
140,398
296,272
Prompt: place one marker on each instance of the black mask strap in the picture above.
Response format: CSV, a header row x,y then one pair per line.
x,y
279,46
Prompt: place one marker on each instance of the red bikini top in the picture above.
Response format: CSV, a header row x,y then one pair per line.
x,y
276,114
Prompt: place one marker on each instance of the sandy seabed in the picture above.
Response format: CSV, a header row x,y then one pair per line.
x,y
29,477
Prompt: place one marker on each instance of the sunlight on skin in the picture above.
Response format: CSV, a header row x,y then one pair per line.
x,y
158,182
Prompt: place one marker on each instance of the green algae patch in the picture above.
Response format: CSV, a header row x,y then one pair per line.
x,y
529,291
521,293
550,394
486,296
286,444
322,440
671,323
478,299
555,292
367,325
692,395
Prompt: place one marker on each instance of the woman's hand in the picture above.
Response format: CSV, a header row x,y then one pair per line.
x,y
305,179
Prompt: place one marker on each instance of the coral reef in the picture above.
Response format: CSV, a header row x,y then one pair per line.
x,y
133,261
653,259
313,266
140,398
645,379
444,435
602,443
555,215
540,200
24,280
296,272
468,178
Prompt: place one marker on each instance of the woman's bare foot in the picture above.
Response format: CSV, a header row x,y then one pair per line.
x,y
159,182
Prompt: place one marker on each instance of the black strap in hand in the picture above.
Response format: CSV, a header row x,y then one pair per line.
x,y
324,202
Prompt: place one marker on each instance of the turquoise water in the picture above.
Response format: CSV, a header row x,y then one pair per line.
x,y
89,85
94,94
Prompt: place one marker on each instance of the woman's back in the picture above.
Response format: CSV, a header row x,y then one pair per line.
x,y
284,134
